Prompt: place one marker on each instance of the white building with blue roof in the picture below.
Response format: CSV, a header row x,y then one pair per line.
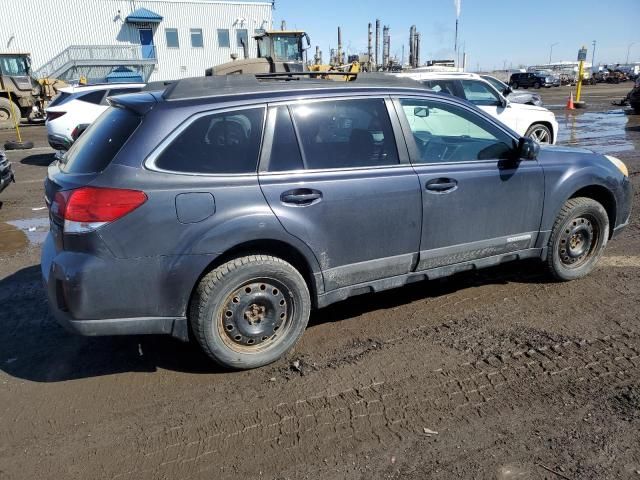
x,y
125,40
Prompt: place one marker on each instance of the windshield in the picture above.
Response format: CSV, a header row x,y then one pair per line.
x,y
287,48
14,65
497,84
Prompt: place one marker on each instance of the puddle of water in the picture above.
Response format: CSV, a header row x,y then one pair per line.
x,y
602,132
34,229
12,239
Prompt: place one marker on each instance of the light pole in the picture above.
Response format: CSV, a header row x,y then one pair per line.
x,y
629,50
551,50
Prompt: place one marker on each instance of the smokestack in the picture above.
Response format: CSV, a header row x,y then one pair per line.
x,y
418,49
316,58
283,25
464,61
377,55
455,42
370,48
412,46
339,46
386,46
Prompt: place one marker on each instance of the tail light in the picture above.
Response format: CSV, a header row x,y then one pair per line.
x,y
87,208
54,115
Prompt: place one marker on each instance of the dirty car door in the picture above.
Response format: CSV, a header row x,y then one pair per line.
x,y
342,188
478,201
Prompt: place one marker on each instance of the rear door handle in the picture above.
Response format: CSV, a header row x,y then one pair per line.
x,y
301,196
441,185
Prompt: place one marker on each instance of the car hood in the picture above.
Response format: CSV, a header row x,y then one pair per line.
x,y
531,108
547,150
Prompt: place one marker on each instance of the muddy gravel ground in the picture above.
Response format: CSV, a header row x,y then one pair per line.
x,y
519,376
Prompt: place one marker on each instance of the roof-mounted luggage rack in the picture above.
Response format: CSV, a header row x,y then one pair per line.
x,y
219,85
304,74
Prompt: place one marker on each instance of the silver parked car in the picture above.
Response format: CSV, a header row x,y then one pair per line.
x,y
515,96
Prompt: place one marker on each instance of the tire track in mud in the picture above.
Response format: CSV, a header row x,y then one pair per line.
x,y
382,412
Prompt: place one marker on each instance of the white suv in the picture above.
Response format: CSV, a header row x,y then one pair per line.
x,y
74,108
527,120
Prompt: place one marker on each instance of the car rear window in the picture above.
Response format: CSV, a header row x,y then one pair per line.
x,y
59,99
97,146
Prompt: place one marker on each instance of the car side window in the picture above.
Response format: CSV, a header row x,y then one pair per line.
x,y
219,143
285,151
480,93
345,133
94,97
441,86
442,132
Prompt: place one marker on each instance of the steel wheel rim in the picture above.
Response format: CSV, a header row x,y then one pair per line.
x,y
540,135
578,241
256,316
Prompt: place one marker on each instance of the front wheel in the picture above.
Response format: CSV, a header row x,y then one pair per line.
x,y
536,85
540,133
578,238
250,311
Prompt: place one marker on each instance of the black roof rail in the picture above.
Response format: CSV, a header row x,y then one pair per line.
x,y
237,84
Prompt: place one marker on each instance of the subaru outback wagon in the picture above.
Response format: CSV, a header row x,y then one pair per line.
x,y
225,208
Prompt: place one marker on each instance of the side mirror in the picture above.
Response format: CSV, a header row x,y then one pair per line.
x,y
528,148
421,112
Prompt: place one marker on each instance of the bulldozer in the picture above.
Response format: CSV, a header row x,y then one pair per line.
x,y
21,94
281,52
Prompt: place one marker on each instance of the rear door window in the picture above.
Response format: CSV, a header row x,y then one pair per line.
x,y
96,147
345,133
441,86
219,143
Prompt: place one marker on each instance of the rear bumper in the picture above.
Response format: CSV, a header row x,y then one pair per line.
x,y
92,296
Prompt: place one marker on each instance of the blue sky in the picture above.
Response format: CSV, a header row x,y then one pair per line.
x,y
493,31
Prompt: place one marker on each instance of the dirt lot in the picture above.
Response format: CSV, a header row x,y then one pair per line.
x,y
519,376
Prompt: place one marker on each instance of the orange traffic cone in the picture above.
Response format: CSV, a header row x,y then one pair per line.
x,y
570,103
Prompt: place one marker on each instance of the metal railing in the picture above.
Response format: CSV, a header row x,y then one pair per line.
x,y
87,54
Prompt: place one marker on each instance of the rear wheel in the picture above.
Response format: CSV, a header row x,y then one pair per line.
x,y
514,85
540,133
578,238
250,311
536,85
6,115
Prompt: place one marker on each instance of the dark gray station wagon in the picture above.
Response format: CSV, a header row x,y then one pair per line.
x,y
226,208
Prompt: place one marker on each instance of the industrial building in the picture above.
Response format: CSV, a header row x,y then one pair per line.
x,y
107,40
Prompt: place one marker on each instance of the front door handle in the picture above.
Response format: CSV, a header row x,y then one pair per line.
x,y
301,196
441,185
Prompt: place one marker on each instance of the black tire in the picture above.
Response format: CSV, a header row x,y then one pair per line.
x,y
586,222
250,311
536,85
514,85
15,145
540,133
6,119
